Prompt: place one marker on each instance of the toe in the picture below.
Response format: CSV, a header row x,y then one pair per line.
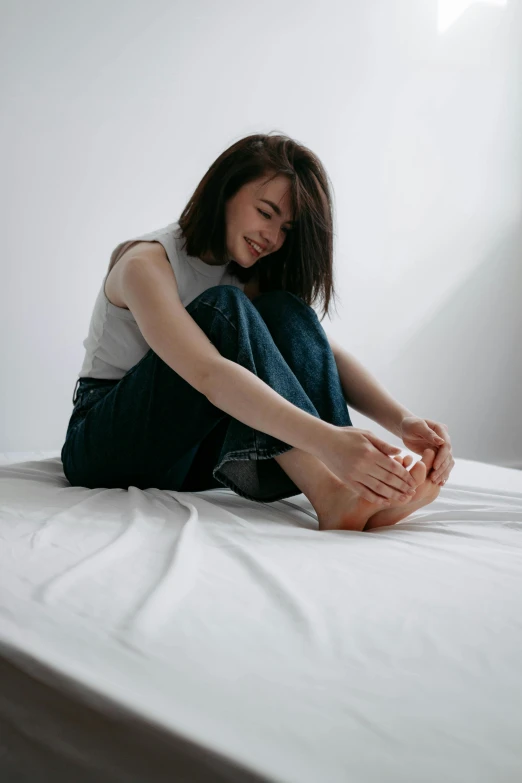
x,y
419,472
428,458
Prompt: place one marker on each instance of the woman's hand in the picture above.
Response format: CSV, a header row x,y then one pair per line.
x,y
363,462
419,434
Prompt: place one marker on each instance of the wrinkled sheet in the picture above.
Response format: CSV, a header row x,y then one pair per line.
x,y
164,635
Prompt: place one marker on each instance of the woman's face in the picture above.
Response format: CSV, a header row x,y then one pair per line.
x,y
249,216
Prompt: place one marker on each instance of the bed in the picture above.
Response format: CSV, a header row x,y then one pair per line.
x,y
165,636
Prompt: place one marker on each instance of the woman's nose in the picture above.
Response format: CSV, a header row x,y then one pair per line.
x,y
272,240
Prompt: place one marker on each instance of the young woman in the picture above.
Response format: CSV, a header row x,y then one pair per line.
x,y
206,366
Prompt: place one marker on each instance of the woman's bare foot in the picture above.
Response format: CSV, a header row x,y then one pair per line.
x,y
343,510
426,493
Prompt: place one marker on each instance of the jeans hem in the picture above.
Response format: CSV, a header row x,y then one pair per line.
x,y
246,455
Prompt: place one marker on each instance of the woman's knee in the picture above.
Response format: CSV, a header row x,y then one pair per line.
x,y
284,301
228,300
223,293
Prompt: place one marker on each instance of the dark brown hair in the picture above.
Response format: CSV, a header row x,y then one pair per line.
x,y
304,263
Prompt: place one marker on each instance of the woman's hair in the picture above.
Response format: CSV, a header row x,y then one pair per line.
x,y
304,263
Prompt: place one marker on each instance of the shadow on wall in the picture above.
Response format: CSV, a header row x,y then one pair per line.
x,y
472,346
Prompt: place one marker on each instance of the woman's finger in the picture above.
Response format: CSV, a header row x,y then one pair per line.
x,y
442,457
367,494
444,471
439,474
400,479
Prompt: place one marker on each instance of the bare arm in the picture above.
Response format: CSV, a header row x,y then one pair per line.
x,y
147,286
364,393
243,395
352,454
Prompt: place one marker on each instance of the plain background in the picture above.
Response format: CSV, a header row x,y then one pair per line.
x,y
113,111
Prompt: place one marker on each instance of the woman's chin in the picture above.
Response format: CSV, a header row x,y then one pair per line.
x,y
245,264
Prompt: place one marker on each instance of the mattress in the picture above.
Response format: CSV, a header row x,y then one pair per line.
x,y
152,635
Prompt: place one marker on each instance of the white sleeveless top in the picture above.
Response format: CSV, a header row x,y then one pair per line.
x,y
114,343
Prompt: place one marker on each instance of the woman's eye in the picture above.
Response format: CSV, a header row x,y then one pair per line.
x,y
266,215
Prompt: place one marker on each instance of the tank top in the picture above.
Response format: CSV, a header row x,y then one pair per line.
x,y
114,342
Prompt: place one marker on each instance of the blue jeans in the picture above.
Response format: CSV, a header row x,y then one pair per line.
x,y
151,428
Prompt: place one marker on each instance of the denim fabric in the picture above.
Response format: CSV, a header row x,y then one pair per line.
x,y
151,428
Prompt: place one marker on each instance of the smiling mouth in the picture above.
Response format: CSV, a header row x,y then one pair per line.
x,y
252,248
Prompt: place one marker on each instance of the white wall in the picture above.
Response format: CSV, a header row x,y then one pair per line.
x,y
114,111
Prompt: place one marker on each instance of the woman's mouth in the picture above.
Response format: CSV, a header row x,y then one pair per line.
x,y
252,249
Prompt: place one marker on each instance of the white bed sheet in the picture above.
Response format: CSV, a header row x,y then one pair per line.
x,y
244,644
